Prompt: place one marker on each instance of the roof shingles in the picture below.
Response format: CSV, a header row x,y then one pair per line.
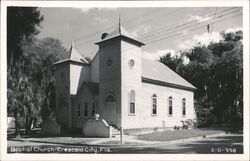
x,y
158,71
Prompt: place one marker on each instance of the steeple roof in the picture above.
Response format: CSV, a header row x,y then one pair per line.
x,y
120,32
74,56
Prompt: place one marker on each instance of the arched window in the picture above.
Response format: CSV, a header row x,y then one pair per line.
x,y
110,98
132,102
184,107
170,106
154,104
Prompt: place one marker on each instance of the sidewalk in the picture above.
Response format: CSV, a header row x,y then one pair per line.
x,y
114,141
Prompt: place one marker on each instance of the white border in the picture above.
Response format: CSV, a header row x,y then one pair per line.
x,y
3,80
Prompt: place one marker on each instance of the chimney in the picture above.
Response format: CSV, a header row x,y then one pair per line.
x,y
104,35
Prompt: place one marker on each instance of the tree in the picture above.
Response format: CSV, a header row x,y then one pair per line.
x,y
31,91
175,62
217,72
229,76
21,22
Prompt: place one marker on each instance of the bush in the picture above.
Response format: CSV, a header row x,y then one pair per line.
x,y
177,127
189,123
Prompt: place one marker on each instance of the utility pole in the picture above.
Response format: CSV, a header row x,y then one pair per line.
x,y
121,129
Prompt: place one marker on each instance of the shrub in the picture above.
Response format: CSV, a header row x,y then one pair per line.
x,y
189,123
177,127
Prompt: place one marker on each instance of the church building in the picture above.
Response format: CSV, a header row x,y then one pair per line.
x,y
121,86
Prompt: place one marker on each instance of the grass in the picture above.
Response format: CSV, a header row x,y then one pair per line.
x,y
177,134
116,142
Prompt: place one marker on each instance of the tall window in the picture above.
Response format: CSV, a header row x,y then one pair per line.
x,y
132,102
79,110
85,109
183,106
154,104
93,109
170,106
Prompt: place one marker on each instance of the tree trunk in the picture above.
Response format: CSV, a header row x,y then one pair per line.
x,y
17,124
29,121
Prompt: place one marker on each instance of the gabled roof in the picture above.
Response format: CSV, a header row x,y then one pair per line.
x,y
74,56
120,32
157,72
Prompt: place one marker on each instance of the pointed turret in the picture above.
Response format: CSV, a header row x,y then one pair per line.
x,y
120,32
74,56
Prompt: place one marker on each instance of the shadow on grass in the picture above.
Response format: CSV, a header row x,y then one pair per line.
x,y
217,145
51,142
221,145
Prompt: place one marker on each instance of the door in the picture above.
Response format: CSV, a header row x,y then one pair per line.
x,y
110,113
110,110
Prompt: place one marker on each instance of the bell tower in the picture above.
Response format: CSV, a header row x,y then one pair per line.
x,y
120,72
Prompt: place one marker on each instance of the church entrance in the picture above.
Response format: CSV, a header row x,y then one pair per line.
x,y
110,110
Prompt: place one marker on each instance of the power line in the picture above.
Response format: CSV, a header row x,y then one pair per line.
x,y
196,28
181,33
219,16
187,23
164,28
146,21
106,28
174,28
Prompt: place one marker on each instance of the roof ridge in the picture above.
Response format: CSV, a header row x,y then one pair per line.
x,y
75,56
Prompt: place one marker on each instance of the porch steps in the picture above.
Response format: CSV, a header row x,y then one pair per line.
x,y
115,131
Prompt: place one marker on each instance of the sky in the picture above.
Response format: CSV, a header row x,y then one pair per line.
x,y
163,30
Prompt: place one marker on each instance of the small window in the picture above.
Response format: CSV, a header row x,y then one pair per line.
x,y
109,62
154,105
132,102
79,110
170,106
131,63
184,107
93,109
85,109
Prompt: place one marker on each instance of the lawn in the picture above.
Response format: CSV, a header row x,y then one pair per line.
x,y
117,142
177,134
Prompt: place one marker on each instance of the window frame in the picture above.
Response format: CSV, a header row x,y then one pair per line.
x,y
154,105
79,110
93,110
129,63
85,110
184,107
132,102
170,98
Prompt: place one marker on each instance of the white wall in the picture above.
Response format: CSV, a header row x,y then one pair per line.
x,y
144,118
131,77
78,74
95,69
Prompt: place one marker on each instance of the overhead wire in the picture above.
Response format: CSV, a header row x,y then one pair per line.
x,y
180,33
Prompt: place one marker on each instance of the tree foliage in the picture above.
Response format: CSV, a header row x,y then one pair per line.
x,y
216,71
31,89
21,22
